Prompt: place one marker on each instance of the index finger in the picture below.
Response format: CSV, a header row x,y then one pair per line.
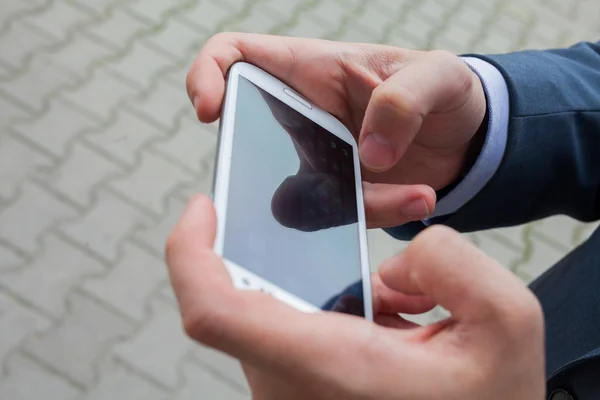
x,y
206,79
441,264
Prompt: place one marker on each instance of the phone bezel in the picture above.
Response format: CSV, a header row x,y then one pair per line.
x,y
241,277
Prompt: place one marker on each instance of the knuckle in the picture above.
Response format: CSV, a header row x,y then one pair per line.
x,y
220,38
526,318
204,325
399,100
464,77
442,56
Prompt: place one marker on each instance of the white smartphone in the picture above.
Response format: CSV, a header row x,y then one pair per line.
x,y
288,195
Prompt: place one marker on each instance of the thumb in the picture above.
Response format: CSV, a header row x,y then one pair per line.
x,y
198,276
430,82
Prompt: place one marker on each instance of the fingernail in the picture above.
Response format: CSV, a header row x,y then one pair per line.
x,y
377,152
417,210
194,102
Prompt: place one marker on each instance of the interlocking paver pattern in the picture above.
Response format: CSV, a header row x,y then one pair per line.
x,y
99,150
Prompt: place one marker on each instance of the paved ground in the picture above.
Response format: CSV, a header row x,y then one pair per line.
x,y
99,150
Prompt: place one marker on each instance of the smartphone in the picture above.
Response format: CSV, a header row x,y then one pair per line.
x,y
288,194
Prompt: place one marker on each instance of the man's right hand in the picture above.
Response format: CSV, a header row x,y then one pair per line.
x,y
415,114
492,346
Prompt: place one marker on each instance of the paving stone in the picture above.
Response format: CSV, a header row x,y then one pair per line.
x,y
26,380
146,350
48,291
511,23
32,212
81,170
259,20
17,321
177,38
199,384
417,26
401,38
101,6
18,162
80,54
434,10
162,104
457,35
100,95
129,284
284,9
102,228
117,30
20,42
223,365
542,256
154,10
59,19
9,259
392,6
42,78
331,11
54,128
178,74
116,379
373,18
11,10
191,143
471,17
583,232
155,236
206,15
357,34
309,26
202,184
559,228
167,294
124,137
382,246
141,64
88,331
496,42
501,251
513,236
9,112
152,180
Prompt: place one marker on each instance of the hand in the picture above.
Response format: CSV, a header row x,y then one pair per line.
x,y
415,113
492,347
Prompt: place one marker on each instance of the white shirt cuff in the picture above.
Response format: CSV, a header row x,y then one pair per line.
x,y
494,146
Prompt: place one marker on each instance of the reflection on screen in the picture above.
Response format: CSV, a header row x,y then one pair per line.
x,y
292,212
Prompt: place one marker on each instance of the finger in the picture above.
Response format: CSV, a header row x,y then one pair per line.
x,y
398,106
390,301
206,78
197,275
388,205
441,264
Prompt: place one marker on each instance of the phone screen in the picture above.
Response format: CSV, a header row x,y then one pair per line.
x,y
292,207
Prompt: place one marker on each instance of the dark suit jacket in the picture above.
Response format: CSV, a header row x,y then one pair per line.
x,y
551,166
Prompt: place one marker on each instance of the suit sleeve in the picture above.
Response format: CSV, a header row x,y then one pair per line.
x,y
551,164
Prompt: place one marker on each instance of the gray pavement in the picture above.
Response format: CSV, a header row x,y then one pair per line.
x,y
99,150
